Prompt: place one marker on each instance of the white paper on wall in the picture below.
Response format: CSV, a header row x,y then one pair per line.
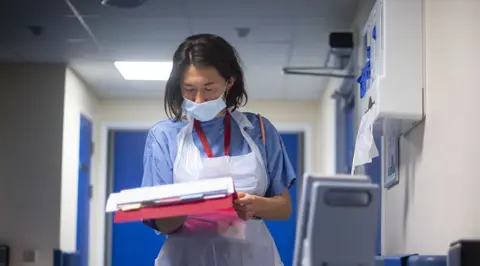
x,y
365,148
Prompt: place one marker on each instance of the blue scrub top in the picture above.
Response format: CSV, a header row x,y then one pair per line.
x,y
161,150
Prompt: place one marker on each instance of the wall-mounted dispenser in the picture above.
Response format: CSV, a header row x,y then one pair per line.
x,y
392,74
391,80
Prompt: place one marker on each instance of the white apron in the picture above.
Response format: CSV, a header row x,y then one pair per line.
x,y
253,245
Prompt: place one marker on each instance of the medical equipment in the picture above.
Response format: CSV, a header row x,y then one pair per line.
x,y
464,253
4,255
392,77
461,253
337,223
411,260
392,74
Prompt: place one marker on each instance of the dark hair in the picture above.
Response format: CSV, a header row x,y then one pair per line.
x,y
204,50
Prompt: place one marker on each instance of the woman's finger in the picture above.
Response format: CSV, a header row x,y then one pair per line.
x,y
244,200
241,194
240,207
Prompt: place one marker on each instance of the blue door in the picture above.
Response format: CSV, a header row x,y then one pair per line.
x,y
136,244
283,232
83,201
132,243
349,137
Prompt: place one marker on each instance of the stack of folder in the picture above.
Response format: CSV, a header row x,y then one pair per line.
x,y
181,199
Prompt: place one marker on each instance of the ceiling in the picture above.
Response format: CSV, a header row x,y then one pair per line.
x,y
282,33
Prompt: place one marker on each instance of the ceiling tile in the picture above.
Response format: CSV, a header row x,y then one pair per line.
x,y
261,30
319,22
139,30
263,54
54,51
318,29
149,51
329,8
304,87
274,8
31,11
8,55
310,34
250,9
265,79
150,9
309,54
270,34
232,22
54,28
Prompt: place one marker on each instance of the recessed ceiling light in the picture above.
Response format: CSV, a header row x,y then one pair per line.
x,y
144,70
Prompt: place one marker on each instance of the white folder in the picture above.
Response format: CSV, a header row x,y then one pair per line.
x,y
196,190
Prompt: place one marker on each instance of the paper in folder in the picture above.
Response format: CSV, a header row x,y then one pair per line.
x,y
179,199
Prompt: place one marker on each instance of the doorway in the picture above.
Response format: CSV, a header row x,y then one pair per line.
x,y
283,232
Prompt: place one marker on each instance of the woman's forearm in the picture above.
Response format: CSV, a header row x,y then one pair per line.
x,y
275,208
169,225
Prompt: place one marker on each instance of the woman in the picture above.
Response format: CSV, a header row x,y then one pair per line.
x,y
207,137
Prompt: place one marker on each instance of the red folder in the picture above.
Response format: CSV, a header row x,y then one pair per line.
x,y
181,209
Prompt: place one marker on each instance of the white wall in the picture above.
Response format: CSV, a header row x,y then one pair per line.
x,y
31,126
436,201
78,100
327,125
326,119
143,114
40,112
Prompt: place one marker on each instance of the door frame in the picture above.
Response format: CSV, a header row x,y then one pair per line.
x,y
90,204
99,242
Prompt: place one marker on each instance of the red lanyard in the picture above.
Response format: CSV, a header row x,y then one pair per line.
x,y
203,138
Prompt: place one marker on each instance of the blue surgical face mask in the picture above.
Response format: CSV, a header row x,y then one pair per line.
x,y
203,111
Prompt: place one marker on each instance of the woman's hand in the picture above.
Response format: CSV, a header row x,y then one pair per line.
x,y
247,205
269,208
